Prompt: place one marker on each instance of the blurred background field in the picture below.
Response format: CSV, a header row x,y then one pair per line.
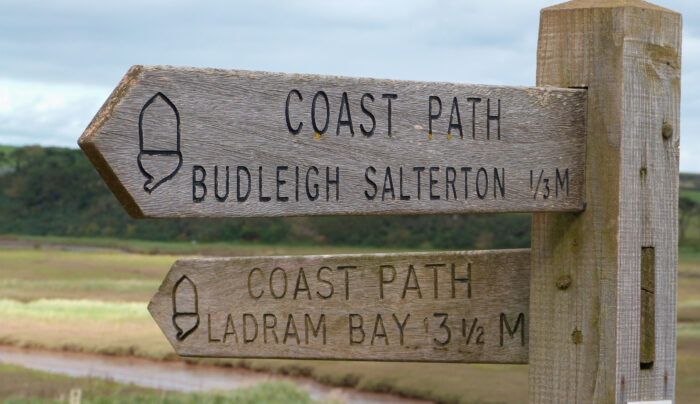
x,y
76,274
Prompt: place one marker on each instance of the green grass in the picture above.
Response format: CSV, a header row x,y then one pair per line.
x,y
8,161
31,274
56,309
693,194
23,386
118,285
688,261
231,249
692,235
19,383
76,265
688,366
688,330
689,255
689,311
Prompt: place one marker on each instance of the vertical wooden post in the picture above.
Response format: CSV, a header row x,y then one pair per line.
x,y
586,284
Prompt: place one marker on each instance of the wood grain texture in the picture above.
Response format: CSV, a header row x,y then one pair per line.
x,y
647,316
160,137
585,340
382,307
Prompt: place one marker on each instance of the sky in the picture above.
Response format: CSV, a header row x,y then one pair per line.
x,y
60,60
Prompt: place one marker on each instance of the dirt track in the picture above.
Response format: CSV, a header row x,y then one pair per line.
x,y
176,376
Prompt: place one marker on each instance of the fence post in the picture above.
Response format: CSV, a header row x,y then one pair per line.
x,y
603,285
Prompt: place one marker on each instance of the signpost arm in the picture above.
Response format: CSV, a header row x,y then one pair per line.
x,y
603,283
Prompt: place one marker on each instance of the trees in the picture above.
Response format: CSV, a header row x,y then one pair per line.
x,y
688,208
55,191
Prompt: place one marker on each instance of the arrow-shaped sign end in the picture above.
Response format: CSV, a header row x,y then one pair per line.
x,y
163,310
87,142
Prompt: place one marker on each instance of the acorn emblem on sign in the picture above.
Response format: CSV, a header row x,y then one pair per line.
x,y
185,307
159,156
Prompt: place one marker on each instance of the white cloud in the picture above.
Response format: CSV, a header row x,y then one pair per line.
x,y
690,102
46,113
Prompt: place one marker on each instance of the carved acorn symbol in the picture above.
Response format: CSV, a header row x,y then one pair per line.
x,y
159,156
185,307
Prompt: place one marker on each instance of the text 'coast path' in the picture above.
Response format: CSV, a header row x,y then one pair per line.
x,y
183,142
449,307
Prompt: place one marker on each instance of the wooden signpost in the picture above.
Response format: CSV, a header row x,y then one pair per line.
x,y
174,142
446,307
590,308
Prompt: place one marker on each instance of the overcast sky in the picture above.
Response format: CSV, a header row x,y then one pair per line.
x,y
59,60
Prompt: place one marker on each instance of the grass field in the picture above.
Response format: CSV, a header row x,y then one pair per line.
x,y
693,194
222,249
47,388
7,161
692,234
95,301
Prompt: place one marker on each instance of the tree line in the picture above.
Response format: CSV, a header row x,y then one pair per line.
x,y
56,191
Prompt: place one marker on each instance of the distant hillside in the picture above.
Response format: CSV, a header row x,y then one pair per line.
x,y
689,181
7,149
6,157
56,191
689,188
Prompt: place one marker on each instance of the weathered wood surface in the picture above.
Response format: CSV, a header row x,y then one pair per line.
x,y
166,137
585,338
447,307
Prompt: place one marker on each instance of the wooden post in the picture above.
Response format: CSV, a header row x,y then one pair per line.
x,y
586,338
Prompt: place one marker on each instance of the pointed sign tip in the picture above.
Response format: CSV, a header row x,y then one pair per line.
x,y
105,113
87,142
110,178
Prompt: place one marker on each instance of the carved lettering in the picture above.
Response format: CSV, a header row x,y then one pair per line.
x,y
418,305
